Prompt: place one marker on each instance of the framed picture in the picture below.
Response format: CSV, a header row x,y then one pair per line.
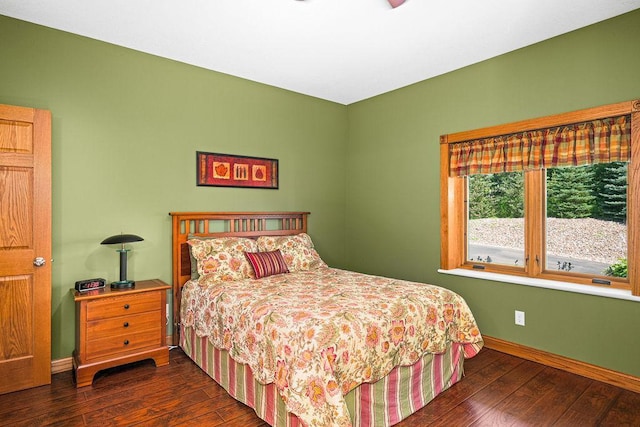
x,y
228,170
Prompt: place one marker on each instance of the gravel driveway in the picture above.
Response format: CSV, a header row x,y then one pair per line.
x,y
584,238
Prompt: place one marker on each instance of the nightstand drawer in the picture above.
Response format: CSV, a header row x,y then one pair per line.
x,y
122,344
132,324
123,305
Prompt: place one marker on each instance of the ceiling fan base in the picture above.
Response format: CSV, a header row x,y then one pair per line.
x,y
396,3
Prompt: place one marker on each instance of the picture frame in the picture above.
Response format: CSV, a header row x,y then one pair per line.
x,y
230,170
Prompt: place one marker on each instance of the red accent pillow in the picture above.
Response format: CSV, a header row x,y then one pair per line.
x,y
267,263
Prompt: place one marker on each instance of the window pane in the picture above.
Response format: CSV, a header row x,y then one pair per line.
x,y
495,224
586,219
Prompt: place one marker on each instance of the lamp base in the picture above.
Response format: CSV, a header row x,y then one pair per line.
x,y
122,284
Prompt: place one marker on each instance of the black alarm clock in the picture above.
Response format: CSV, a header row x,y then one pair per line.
x,y
89,284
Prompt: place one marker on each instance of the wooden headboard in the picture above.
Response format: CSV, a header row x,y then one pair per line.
x,y
222,224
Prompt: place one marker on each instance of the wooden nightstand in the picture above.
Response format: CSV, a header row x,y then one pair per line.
x,y
118,326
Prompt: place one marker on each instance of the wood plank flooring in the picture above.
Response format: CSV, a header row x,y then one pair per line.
x,y
497,390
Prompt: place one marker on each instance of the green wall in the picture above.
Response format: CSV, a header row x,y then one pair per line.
x,y
393,214
126,127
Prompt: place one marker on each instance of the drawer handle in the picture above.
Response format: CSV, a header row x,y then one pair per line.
x,y
126,306
126,324
126,342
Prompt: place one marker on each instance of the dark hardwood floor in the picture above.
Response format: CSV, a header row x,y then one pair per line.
x,y
497,390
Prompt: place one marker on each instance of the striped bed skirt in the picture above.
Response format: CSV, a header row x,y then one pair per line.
x,y
386,402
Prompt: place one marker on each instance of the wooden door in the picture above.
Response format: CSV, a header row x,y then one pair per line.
x,y
25,240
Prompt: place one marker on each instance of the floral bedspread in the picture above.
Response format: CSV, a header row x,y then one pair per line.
x,y
318,334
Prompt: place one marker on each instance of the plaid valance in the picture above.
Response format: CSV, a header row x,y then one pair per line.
x,y
597,141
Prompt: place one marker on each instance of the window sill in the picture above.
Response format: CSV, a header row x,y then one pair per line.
x,y
543,283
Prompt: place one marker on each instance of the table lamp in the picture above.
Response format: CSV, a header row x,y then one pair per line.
x,y
121,239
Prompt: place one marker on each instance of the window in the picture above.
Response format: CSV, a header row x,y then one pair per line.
x,y
495,219
549,198
586,220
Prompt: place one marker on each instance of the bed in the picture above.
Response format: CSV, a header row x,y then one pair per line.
x,y
256,307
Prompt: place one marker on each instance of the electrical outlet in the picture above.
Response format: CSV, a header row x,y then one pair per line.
x,y
519,318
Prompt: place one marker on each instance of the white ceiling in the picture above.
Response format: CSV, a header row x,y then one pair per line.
x,y
339,50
